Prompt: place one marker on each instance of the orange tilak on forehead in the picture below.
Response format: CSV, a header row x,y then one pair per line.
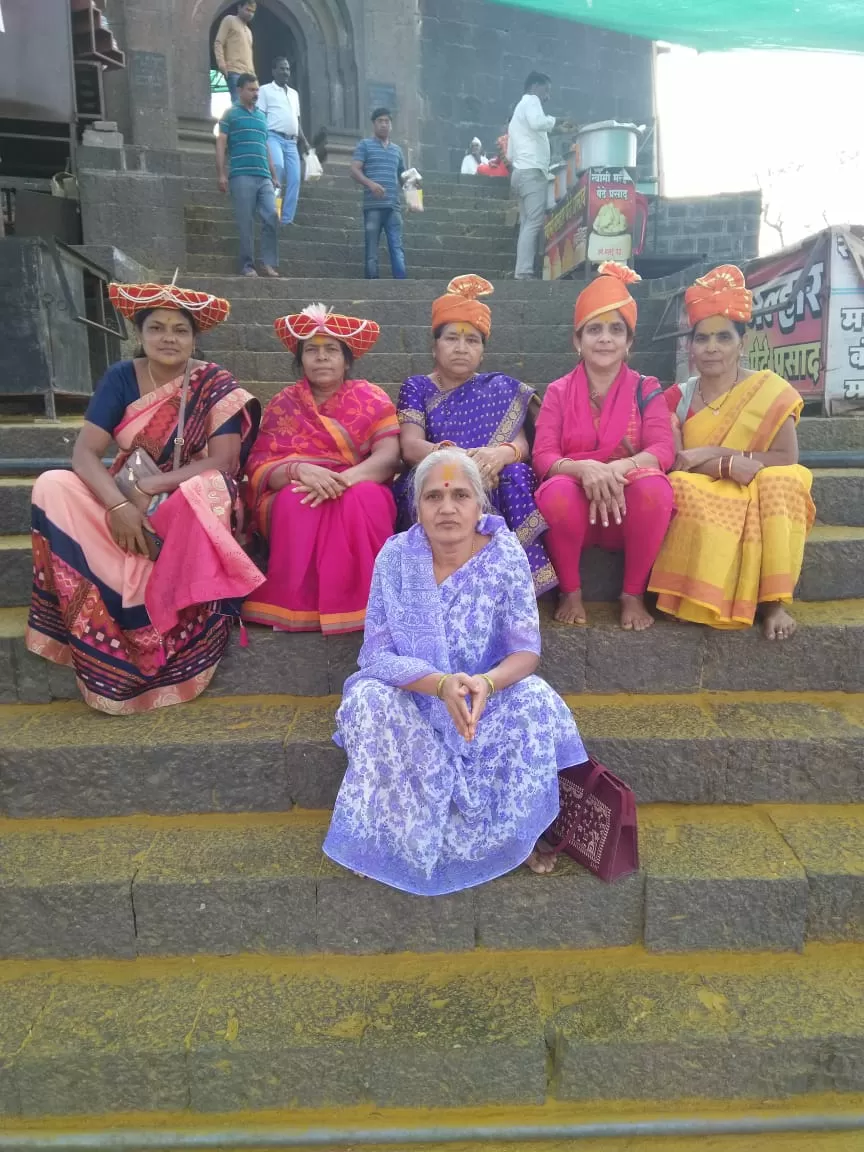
x,y
608,317
464,329
448,474
319,340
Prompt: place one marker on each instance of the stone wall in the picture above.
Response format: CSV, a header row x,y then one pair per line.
x,y
132,198
475,55
723,229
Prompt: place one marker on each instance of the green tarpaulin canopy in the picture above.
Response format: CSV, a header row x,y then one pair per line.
x,y
719,25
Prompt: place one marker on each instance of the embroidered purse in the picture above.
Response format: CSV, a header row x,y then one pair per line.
x,y
139,465
596,823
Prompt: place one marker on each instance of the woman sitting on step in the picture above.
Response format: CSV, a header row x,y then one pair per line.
x,y
743,501
484,414
602,446
141,632
319,476
454,746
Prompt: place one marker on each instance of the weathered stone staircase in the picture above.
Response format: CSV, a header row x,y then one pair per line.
x,y
176,950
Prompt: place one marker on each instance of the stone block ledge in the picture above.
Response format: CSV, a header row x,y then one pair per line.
x,y
713,879
207,1036
272,753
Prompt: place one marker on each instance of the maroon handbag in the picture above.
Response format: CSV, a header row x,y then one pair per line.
x,y
596,823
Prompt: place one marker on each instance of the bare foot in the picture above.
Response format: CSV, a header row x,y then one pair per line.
x,y
777,624
541,862
635,617
570,609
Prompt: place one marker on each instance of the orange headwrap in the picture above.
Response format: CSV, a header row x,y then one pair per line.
x,y
722,292
460,303
607,293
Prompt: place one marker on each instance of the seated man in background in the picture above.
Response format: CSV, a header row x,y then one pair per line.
x,y
473,158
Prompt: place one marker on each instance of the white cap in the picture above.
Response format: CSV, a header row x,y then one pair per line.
x,y
478,141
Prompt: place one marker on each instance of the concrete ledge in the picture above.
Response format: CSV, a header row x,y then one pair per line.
x,y
265,754
721,878
205,1036
827,654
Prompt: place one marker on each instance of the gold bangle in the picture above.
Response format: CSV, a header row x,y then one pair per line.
x,y
114,507
489,681
446,676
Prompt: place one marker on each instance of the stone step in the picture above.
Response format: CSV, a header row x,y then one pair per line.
x,y
492,267
206,1035
271,753
509,317
827,654
424,250
350,218
722,878
833,568
350,228
344,188
412,339
235,287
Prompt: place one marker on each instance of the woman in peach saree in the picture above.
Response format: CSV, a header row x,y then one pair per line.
x,y
743,502
141,634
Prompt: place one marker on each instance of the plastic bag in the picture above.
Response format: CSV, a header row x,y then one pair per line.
x,y
412,190
314,171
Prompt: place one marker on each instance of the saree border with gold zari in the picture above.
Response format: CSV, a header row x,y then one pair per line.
x,y
733,546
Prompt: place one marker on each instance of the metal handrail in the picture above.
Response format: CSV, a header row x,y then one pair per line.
x,y
162,1140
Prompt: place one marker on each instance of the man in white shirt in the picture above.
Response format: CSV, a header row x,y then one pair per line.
x,y
474,158
281,105
528,153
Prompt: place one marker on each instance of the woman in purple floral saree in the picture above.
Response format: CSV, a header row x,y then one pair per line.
x,y
454,746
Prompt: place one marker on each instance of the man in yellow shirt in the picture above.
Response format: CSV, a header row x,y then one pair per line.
x,y
233,45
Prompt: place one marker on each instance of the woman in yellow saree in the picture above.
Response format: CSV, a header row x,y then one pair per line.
x,y
743,506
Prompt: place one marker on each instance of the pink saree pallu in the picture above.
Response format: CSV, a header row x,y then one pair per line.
x,y
321,559
138,634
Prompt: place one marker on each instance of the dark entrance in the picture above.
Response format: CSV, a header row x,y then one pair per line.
x,y
273,36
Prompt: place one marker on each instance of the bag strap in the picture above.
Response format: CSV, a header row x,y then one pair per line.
x,y
642,401
181,418
688,390
588,789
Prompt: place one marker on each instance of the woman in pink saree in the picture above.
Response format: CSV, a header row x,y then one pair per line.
x,y
142,634
319,480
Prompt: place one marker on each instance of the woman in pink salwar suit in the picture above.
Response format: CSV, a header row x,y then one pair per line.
x,y
319,480
602,446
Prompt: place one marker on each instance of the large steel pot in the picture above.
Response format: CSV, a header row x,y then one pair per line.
x,y
607,144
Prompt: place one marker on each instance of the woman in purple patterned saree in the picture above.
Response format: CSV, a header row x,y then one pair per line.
x,y
483,413
454,746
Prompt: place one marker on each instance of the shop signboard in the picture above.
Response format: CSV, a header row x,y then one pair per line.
x,y
788,339
594,222
844,362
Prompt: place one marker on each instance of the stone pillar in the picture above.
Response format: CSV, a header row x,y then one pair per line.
x,y
142,98
391,55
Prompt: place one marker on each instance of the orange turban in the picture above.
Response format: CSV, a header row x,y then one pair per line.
x,y
607,293
460,303
722,292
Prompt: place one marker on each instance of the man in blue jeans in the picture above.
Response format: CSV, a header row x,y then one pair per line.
x,y
281,105
253,181
378,165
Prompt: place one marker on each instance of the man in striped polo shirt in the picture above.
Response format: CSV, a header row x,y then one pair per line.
x,y
253,180
378,165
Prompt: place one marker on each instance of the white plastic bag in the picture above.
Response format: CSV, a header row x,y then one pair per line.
x,y
413,192
314,171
